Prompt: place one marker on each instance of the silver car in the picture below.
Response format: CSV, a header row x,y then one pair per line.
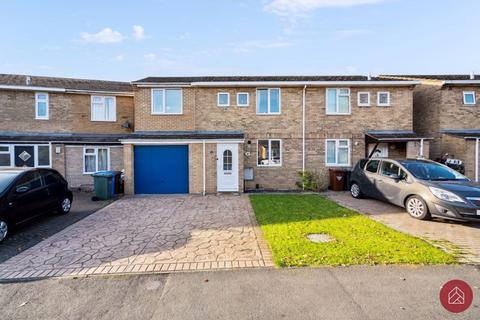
x,y
424,188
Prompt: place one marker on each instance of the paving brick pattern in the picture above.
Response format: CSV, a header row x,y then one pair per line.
x,y
465,236
150,234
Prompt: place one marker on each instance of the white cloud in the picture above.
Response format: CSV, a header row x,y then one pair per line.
x,y
107,35
350,33
139,32
150,57
301,7
248,46
119,57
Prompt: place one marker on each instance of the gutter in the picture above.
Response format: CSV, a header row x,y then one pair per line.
x,y
278,83
64,90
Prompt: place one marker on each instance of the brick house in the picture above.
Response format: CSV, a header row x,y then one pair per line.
x,y
72,125
214,134
447,108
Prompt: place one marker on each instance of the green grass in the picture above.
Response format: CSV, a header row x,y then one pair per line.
x,y
286,220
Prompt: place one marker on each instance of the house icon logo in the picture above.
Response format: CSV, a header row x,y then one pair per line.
x,y
456,296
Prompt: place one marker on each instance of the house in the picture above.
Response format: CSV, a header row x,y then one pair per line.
x,y
72,125
229,134
447,108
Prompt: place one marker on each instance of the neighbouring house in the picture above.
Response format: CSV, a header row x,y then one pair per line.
x,y
229,134
72,125
447,108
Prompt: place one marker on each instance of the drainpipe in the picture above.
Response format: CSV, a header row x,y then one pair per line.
x,y
303,130
203,169
476,159
421,148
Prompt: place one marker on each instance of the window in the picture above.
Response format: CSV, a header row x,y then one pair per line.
x,y
167,101
104,108
41,106
363,99
389,169
243,99
469,98
383,99
95,159
269,153
31,180
5,156
227,160
338,101
43,156
372,166
223,99
337,152
268,101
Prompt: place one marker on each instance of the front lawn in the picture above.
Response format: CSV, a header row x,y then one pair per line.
x,y
286,220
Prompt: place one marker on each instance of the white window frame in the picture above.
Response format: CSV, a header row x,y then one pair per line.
x,y
96,148
338,95
11,151
337,143
474,98
268,102
270,153
218,99
37,100
359,103
164,113
114,119
238,101
383,104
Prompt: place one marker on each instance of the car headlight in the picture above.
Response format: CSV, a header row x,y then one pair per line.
x,y
445,195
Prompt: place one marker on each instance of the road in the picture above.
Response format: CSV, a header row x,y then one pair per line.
x,y
362,292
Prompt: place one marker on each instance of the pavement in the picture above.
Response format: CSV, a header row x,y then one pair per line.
x,y
465,236
361,292
150,234
39,229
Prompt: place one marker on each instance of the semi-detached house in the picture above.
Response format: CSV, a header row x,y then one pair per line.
x,y
215,134
205,134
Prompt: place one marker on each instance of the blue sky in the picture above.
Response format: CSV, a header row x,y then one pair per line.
x,y
122,40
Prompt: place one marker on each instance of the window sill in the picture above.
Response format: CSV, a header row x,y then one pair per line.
x,y
331,165
41,118
469,104
383,105
243,105
269,165
339,114
166,114
364,105
103,121
268,114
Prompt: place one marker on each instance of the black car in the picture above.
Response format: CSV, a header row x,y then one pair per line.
x,y
27,193
424,188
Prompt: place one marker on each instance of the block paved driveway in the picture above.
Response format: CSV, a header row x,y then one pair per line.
x,y
464,235
150,234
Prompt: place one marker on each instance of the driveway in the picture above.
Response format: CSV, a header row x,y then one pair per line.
x,y
39,229
150,234
466,236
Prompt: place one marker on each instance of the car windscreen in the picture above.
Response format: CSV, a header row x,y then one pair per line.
x,y
5,180
431,171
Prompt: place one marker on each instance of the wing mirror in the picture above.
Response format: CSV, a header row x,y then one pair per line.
x,y
22,189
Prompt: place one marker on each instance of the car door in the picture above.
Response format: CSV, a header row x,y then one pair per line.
x,y
53,187
29,196
392,182
370,186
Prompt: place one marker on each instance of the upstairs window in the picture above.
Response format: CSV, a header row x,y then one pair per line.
x,y
167,101
338,101
104,108
243,99
337,152
363,99
223,99
383,99
41,106
469,98
268,101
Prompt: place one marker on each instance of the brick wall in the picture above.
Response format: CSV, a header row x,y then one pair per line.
x,y
67,113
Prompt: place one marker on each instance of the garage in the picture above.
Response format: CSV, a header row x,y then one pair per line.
x,y
161,169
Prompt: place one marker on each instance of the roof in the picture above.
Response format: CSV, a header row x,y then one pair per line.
x,y
197,134
16,80
394,135
466,134
441,77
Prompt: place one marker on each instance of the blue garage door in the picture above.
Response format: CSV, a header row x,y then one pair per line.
x,y
161,169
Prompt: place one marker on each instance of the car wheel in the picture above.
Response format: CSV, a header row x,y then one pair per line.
x,y
3,230
417,208
355,191
65,205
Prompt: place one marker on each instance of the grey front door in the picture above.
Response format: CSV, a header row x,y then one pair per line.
x,y
24,156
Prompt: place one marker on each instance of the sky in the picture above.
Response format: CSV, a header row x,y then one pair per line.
x,y
129,40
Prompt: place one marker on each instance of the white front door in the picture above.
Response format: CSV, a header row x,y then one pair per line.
x,y
227,167
380,152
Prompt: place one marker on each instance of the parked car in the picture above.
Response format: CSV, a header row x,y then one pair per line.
x,y
424,188
27,193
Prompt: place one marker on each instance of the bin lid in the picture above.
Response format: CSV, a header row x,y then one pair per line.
x,y
104,174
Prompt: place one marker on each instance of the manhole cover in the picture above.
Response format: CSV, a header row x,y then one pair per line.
x,y
319,237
